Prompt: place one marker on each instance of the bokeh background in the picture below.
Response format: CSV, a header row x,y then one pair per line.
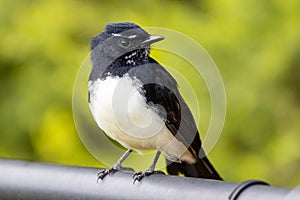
x,y
255,44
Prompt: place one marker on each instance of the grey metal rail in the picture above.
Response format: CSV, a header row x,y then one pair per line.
x,y
30,180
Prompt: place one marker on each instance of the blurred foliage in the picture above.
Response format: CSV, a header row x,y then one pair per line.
x,y
256,45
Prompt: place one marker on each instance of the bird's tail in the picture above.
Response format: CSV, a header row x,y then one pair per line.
x,y
201,169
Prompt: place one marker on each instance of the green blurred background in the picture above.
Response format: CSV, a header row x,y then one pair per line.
x,y
255,44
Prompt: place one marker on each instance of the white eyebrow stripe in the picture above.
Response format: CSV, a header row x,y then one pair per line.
x,y
132,36
120,35
116,34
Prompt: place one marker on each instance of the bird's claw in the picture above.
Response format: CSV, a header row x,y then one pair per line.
x,y
138,176
105,172
112,170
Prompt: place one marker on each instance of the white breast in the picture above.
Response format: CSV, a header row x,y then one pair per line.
x,y
122,113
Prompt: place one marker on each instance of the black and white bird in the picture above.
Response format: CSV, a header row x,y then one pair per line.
x,y
136,102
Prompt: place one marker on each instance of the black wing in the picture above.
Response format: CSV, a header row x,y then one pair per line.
x,y
161,89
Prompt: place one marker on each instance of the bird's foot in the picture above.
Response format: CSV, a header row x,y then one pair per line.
x,y
112,170
105,172
140,175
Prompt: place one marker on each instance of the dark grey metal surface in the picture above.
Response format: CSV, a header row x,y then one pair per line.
x,y
29,180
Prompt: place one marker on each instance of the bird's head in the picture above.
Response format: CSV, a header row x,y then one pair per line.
x,y
124,39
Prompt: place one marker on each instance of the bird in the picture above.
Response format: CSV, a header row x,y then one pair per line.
x,y
137,103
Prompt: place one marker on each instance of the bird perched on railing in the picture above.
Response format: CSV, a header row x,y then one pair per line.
x,y
136,102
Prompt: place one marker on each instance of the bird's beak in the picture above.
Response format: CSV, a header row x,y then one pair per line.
x,y
152,39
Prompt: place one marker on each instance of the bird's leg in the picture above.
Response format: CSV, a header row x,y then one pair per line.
x,y
140,175
116,167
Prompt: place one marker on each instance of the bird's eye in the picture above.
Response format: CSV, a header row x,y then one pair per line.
x,y
124,43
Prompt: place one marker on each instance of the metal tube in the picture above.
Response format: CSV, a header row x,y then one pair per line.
x,y
30,180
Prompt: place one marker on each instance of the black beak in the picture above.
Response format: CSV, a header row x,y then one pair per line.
x,y
152,39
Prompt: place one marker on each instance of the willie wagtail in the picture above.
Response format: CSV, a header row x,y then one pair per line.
x,y
136,102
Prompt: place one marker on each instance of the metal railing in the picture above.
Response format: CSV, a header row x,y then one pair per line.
x,y
30,180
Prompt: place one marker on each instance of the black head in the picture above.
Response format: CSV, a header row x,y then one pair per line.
x,y
119,46
126,35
